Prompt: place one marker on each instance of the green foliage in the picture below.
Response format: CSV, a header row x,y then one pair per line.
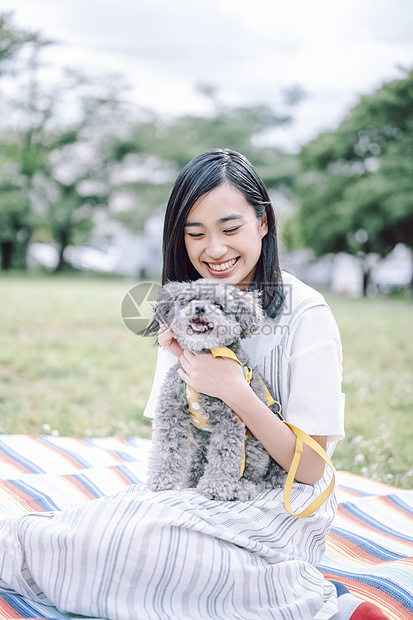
x,y
360,177
172,144
109,150
289,231
12,40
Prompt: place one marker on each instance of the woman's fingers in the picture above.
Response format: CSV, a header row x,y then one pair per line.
x,y
167,340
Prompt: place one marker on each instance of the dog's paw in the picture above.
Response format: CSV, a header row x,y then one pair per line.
x,y
248,490
276,476
221,490
160,484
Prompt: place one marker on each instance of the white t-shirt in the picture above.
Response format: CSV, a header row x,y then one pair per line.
x,y
299,353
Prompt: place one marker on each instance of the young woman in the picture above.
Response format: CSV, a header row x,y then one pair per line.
x,y
175,554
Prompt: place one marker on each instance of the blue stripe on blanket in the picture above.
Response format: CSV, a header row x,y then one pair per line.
x,y
76,457
384,585
19,605
20,459
122,455
44,501
397,501
128,474
356,512
88,485
367,545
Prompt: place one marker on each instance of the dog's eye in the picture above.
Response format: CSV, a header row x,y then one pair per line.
x,y
218,305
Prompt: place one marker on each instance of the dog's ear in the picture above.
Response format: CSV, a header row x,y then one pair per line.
x,y
249,312
164,308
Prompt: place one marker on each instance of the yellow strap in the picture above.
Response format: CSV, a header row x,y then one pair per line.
x,y
301,438
269,398
224,352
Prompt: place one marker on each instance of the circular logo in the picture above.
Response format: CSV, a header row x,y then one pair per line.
x,y
136,308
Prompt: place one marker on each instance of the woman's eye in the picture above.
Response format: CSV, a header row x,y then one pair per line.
x,y
198,235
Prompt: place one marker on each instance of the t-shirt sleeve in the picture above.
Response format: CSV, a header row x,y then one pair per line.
x,y
164,362
315,401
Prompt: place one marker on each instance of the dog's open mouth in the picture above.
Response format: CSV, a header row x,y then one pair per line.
x,y
200,325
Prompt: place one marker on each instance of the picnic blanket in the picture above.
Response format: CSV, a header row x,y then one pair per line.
x,y
369,548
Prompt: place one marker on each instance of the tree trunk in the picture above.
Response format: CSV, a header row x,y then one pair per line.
x,y
63,236
411,281
366,280
6,248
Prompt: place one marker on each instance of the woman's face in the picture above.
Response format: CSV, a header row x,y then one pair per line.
x,y
223,236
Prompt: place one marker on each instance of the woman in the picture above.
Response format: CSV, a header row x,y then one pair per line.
x,y
175,554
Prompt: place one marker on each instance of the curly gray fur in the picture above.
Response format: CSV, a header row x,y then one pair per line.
x,y
207,314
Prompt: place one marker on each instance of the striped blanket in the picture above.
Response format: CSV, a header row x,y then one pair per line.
x,y
369,548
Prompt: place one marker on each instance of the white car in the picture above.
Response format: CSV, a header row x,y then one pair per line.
x,y
392,275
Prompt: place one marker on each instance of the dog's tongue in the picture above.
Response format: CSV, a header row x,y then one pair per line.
x,y
199,326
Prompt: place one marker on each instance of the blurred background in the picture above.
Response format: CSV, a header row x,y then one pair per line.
x,y
102,103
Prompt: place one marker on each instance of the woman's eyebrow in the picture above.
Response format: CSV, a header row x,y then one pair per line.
x,y
222,220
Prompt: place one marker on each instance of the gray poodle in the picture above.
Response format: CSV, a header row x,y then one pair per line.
x,y
204,315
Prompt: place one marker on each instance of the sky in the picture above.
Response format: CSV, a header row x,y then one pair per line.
x,y
250,51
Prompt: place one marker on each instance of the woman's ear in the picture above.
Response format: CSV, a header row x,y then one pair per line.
x,y
263,226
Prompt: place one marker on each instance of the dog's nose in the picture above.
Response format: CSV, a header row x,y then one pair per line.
x,y
199,310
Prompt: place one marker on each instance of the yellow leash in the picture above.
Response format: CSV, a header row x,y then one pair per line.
x,y
201,421
300,438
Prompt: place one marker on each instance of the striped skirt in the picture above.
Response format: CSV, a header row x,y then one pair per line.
x,y
174,555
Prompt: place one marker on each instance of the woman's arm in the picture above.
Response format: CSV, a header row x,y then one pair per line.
x,y
224,379
276,437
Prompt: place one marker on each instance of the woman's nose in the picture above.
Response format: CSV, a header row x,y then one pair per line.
x,y
216,248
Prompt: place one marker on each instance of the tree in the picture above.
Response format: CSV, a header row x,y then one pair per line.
x,y
13,40
15,224
163,148
356,190
60,166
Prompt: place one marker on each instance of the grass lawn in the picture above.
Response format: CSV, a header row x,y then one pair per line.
x,y
69,366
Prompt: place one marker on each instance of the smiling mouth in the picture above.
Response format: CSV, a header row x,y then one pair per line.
x,y
201,326
224,266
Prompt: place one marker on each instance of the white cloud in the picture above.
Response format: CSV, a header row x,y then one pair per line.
x,y
336,50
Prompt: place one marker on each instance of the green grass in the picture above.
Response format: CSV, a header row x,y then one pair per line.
x,y
377,336
68,362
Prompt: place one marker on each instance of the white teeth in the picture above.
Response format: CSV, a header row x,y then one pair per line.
x,y
223,266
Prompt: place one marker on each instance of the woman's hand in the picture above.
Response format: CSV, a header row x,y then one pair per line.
x,y
213,376
167,340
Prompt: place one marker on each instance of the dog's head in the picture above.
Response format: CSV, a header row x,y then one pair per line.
x,y
207,313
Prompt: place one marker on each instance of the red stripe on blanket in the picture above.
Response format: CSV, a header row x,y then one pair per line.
x,y
352,551
345,514
122,477
366,592
380,485
79,486
351,492
110,451
60,451
21,498
387,501
18,466
7,612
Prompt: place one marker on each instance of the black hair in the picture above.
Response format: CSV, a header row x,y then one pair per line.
x,y
201,175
